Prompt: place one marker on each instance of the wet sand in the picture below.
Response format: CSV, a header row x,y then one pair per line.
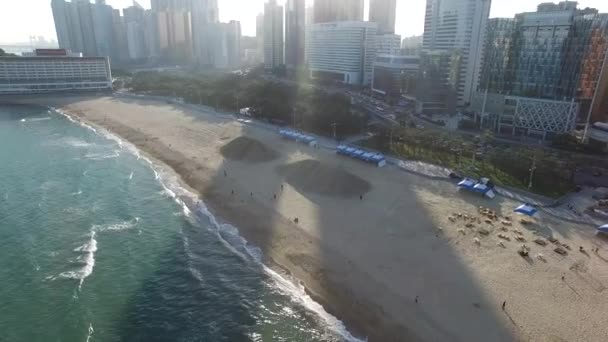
x,y
392,265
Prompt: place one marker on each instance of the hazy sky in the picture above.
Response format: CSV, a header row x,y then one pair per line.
x,y
21,18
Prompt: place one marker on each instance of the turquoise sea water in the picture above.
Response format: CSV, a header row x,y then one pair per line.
x,y
97,245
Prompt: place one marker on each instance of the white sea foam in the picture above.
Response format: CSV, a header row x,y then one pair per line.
x,y
87,260
75,142
102,156
89,246
230,236
35,119
90,332
116,227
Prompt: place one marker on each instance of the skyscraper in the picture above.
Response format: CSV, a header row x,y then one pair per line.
x,y
175,35
259,35
273,35
61,16
294,33
337,10
134,18
120,36
457,27
342,51
151,33
84,11
103,28
383,12
554,54
204,13
67,25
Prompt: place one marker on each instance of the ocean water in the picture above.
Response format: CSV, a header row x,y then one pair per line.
x,y
98,244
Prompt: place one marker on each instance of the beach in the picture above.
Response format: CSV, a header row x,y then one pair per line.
x,y
385,251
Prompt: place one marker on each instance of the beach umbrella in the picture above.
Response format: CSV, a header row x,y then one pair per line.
x,y
526,209
603,229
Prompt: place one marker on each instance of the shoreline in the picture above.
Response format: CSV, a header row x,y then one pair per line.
x,y
367,262
280,269
154,163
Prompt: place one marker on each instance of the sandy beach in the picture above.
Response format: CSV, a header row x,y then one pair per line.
x,y
391,254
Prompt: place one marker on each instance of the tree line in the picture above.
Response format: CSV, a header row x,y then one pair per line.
x,y
508,165
304,107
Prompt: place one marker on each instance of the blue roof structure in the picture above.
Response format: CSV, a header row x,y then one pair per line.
x,y
526,209
361,154
299,137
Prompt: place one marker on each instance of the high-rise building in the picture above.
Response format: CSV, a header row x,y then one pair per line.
x,y
175,35
342,51
120,37
294,33
388,44
394,75
61,16
204,14
273,35
87,26
226,45
104,30
337,10
134,18
67,24
310,16
458,25
259,36
551,57
151,34
384,13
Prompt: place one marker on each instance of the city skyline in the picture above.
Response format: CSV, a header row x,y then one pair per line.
x,y
409,21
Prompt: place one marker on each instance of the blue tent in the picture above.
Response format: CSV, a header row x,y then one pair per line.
x,y
367,156
526,209
480,187
603,229
467,183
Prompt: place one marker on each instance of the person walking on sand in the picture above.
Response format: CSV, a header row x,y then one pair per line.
x,y
503,305
361,197
416,299
225,173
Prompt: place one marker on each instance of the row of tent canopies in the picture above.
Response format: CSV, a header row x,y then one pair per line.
x,y
299,137
481,187
530,210
371,157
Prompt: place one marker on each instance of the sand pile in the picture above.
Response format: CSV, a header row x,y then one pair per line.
x,y
313,176
248,150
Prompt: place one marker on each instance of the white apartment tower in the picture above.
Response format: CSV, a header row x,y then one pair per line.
x,y
342,51
204,16
273,35
458,27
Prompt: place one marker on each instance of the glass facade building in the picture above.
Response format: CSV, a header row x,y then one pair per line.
x,y
555,53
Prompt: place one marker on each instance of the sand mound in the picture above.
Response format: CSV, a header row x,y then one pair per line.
x,y
312,176
248,150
